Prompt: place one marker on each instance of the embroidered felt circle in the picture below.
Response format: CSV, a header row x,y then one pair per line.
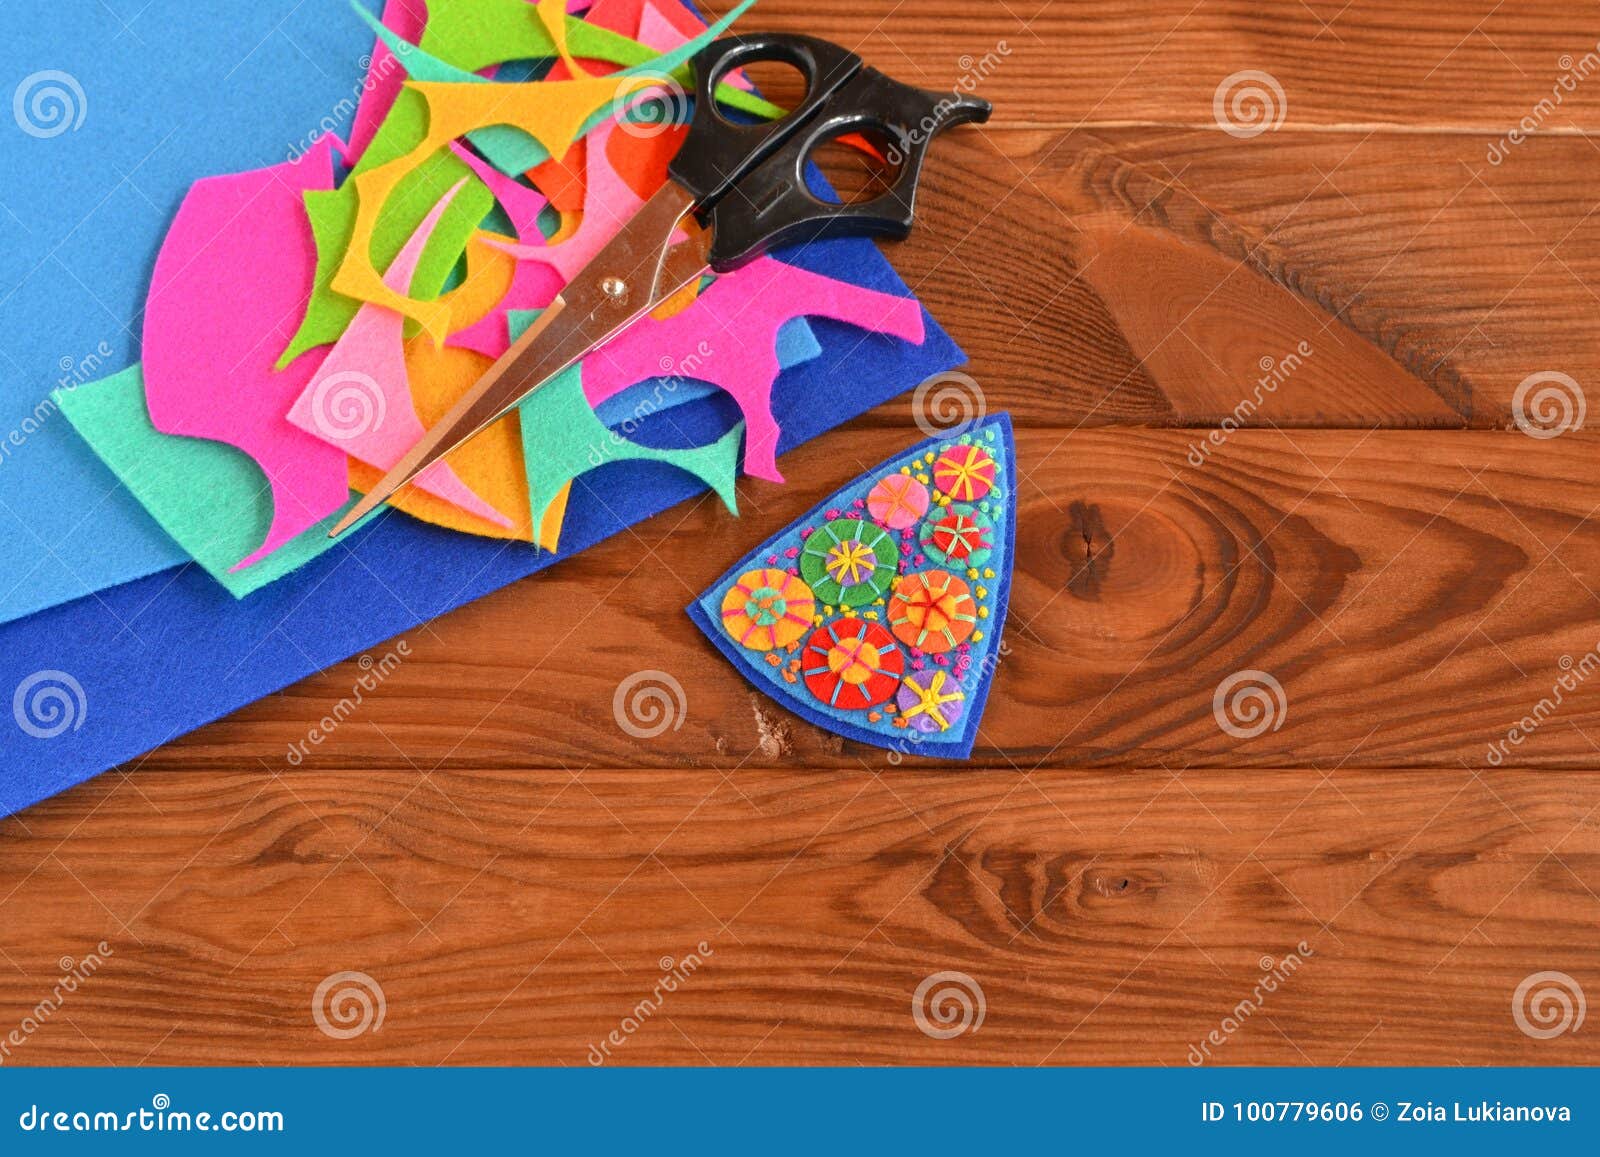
x,y
964,536
965,472
932,611
849,562
897,501
767,609
852,664
930,700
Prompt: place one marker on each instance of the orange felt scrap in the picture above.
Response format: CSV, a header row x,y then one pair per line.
x,y
561,179
641,159
489,273
490,463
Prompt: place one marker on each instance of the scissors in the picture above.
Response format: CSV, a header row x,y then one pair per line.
x,y
733,191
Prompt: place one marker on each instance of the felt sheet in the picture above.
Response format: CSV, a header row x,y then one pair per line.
x,y
359,400
729,337
369,587
211,498
393,575
85,213
234,270
903,590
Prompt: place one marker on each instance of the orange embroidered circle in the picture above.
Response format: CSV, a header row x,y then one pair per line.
x,y
932,611
767,609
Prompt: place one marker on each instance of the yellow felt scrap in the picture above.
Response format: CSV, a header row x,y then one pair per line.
x,y
552,112
553,15
490,463
489,273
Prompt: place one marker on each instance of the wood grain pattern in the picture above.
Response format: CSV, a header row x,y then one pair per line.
x,y
1430,283
1456,570
1115,870
1342,64
514,916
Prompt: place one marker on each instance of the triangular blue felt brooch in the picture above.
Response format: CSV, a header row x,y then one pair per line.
x,y
877,615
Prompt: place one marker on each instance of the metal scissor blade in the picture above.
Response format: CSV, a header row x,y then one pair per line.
x,y
636,271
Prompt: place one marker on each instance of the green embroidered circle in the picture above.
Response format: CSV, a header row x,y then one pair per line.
x,y
849,562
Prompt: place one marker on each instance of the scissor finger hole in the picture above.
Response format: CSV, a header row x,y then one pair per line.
x,y
777,81
854,165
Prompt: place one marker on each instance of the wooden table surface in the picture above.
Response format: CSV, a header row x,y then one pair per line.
x,y
1394,538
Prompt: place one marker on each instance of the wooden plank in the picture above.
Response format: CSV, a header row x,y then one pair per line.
x,y
1338,63
521,916
1156,276
1455,570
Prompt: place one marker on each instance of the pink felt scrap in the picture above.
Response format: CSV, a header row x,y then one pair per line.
x,y
406,19
729,336
608,202
359,400
542,269
534,284
229,286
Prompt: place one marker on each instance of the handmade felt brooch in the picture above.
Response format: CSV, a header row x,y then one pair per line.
x,y
877,615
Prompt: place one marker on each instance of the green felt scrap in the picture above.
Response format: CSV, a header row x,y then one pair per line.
x,y
469,35
211,498
563,439
507,147
332,213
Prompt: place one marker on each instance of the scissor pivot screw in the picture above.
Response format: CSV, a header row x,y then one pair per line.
x,y
614,288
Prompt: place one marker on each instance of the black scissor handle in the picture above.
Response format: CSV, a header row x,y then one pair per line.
x,y
749,181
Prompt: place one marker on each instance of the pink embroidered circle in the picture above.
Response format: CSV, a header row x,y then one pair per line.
x,y
964,472
897,501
